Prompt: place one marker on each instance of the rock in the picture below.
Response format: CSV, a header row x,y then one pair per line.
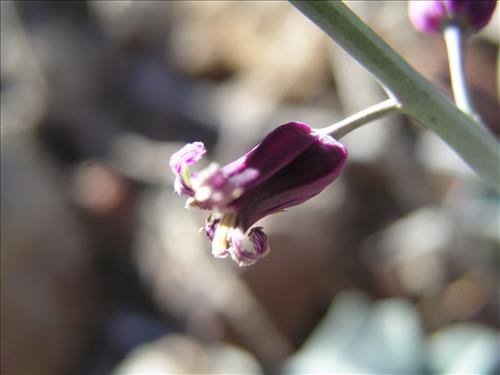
x,y
46,281
181,354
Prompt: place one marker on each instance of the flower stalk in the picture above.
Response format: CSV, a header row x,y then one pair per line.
x,y
417,96
379,110
454,40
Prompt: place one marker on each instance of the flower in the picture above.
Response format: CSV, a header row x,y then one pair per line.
x,y
433,15
290,165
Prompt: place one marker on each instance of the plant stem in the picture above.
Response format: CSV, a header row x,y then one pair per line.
x,y
418,97
341,128
454,44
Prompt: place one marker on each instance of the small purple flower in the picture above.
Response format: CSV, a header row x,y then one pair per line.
x,y
291,165
431,16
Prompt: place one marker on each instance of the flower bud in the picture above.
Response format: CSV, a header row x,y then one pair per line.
x,y
431,16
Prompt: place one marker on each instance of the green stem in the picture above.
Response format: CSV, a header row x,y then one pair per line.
x,y
418,97
341,128
453,37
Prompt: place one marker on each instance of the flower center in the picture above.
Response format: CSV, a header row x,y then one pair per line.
x,y
220,242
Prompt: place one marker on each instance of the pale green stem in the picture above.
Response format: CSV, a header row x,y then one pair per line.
x,y
453,37
379,110
418,97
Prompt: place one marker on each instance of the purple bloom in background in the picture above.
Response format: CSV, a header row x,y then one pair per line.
x,y
431,16
291,165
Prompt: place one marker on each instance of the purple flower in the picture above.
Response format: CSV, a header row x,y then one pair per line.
x,y
431,16
289,166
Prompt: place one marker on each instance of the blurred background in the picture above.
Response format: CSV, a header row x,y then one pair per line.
x,y
393,269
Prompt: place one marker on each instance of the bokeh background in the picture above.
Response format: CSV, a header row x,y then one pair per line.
x,y
393,269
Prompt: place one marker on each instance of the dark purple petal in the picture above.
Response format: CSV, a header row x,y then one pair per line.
x,y
475,13
216,188
306,176
276,150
